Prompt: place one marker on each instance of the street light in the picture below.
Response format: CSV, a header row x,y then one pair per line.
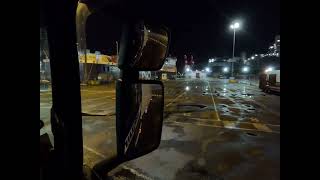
x,y
245,69
225,69
252,57
269,69
207,69
188,69
234,26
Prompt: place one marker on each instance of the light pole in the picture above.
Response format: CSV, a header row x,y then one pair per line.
x,y
233,26
245,70
117,47
225,69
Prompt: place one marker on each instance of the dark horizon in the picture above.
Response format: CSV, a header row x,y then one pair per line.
x,y
208,34
202,28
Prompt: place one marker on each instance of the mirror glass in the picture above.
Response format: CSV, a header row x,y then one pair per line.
x,y
139,119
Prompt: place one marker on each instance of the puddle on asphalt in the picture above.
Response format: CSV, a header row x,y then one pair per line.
x,y
247,94
194,171
251,134
190,107
185,147
179,130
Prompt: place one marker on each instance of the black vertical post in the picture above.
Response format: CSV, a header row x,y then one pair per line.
x,y
66,117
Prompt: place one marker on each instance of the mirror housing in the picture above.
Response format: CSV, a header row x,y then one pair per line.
x,y
143,47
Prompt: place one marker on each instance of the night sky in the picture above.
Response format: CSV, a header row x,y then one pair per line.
x,y
201,28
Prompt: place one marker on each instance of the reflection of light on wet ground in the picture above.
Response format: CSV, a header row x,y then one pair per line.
x,y
244,90
229,125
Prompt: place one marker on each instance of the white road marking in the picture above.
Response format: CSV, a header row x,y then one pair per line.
x,y
136,172
93,151
175,99
214,104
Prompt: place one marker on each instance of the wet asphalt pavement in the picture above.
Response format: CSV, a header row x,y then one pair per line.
x,y
212,130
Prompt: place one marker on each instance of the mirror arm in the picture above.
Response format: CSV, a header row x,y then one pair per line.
x,y
105,166
129,75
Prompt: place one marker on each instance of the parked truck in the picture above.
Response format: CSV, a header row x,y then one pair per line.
x,y
270,81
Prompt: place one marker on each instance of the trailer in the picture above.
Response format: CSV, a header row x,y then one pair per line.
x,y
270,81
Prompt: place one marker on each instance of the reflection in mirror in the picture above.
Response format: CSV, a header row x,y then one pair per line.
x,y
140,119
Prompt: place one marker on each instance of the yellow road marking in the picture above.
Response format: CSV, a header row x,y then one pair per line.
x,y
262,127
228,124
215,126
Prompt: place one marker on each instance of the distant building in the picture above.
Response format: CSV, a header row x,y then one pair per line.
x,y
170,65
243,57
45,73
217,64
274,49
277,45
169,68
